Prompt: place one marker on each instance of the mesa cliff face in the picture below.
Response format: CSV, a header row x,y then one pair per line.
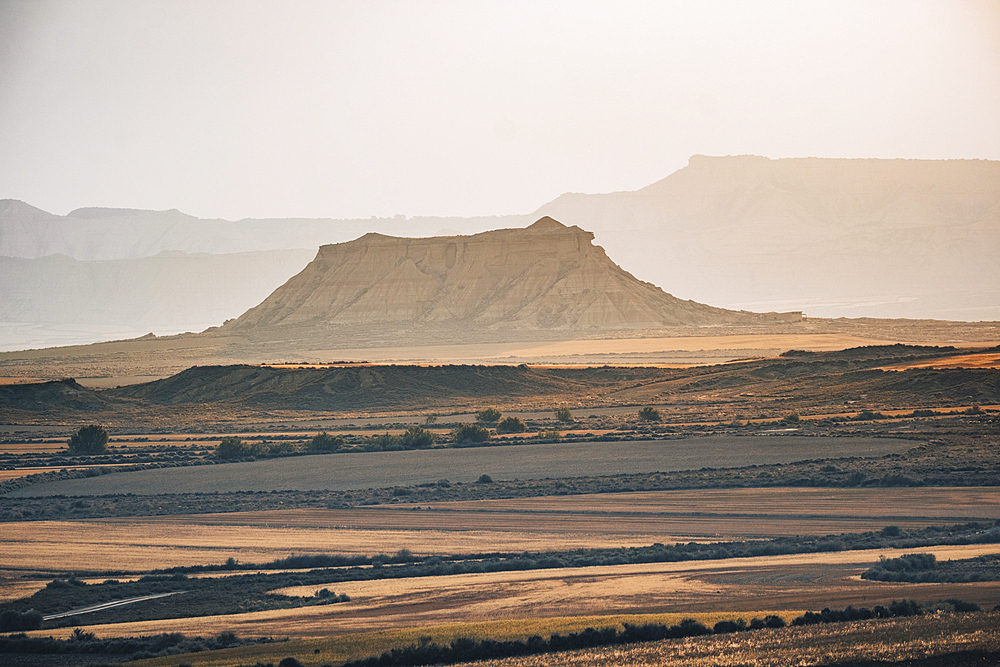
x,y
545,276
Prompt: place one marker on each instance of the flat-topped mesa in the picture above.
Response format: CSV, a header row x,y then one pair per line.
x,y
545,276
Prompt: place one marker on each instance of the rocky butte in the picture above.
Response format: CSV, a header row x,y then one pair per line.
x,y
544,277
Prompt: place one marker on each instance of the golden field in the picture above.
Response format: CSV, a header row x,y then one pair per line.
x,y
513,525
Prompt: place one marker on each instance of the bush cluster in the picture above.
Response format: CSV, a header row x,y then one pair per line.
x,y
203,596
136,648
489,415
898,608
415,437
469,433
648,414
92,439
12,621
465,649
564,415
324,443
511,425
924,568
900,569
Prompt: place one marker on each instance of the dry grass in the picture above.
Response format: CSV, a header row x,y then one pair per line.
x,y
944,503
894,640
735,587
538,352
513,525
340,648
982,360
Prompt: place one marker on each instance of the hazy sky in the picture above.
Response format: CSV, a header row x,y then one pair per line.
x,y
351,109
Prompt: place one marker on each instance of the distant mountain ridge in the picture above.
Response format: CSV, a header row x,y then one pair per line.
x,y
168,293
545,276
98,233
831,236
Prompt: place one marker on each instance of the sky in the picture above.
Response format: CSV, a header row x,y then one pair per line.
x,y
236,109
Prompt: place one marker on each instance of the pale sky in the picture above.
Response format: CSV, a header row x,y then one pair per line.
x,y
238,109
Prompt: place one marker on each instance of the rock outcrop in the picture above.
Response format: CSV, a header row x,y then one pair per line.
x,y
542,277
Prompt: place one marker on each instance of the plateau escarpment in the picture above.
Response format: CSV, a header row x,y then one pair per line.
x,y
546,276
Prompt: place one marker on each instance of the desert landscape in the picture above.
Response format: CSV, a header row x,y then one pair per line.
x,y
570,476
366,334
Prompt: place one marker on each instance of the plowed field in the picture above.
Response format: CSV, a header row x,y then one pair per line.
x,y
531,524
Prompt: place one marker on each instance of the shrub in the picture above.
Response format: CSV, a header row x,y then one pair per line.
x,y
13,620
511,425
91,439
648,414
856,479
417,438
232,447
470,433
961,606
564,415
325,443
488,415
485,479
773,621
791,418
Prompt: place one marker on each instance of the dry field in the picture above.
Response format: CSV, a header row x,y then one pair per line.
x,y
881,641
662,350
895,640
343,472
34,470
783,584
982,360
529,524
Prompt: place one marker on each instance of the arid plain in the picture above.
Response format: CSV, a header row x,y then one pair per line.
x,y
930,440
490,438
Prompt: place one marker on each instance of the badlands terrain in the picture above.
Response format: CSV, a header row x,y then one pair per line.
x,y
856,238
504,441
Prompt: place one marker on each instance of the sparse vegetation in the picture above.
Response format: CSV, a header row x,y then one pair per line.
x,y
92,439
466,649
324,443
189,596
511,425
489,415
14,621
231,447
564,415
134,648
417,438
469,433
649,414
925,568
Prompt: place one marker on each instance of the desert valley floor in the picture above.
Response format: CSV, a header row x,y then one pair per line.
x,y
763,483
